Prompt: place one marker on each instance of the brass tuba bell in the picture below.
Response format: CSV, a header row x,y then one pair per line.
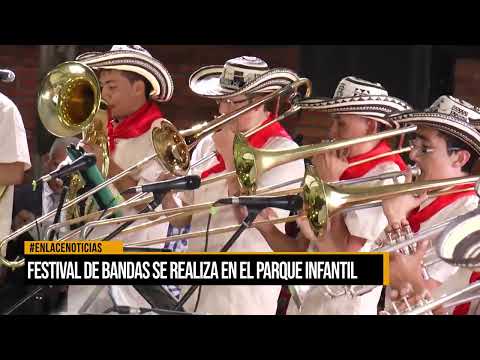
x,y
69,103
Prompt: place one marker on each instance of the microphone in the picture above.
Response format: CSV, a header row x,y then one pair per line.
x,y
191,182
83,162
287,202
7,75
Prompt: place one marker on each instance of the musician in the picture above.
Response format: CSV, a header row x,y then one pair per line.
x,y
29,204
446,146
134,84
358,109
237,83
14,161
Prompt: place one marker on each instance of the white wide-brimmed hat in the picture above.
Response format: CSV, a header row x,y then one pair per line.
x,y
136,59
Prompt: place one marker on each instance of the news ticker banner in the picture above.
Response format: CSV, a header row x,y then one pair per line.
x,y
107,263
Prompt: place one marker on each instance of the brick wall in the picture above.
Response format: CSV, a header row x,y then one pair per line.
x,y
467,85
185,110
467,80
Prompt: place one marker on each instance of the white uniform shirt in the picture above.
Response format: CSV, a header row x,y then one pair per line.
x,y
441,271
367,224
127,153
236,299
13,148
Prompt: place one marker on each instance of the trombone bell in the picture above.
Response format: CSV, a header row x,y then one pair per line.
x,y
322,200
314,195
251,163
245,162
171,148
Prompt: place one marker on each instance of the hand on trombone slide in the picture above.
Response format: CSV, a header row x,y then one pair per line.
x,y
331,165
407,282
407,298
223,140
396,209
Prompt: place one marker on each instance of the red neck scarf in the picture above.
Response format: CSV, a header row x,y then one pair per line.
x,y
134,125
417,217
464,308
257,140
358,171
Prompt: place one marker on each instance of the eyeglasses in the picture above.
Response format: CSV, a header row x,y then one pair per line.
x,y
231,102
417,145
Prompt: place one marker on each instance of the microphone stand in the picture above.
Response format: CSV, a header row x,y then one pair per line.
x,y
157,200
247,222
66,185
128,310
23,300
63,195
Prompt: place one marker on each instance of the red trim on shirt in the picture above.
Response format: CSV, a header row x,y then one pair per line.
x,y
134,125
257,140
358,171
465,308
417,217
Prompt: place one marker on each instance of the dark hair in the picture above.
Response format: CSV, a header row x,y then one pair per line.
x,y
453,142
132,77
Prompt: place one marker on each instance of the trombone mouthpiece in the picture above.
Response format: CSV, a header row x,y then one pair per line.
x,y
44,178
416,171
133,190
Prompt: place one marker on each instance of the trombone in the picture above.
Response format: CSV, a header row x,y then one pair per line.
x,y
343,187
170,214
454,231
139,199
282,156
323,200
191,209
251,163
458,245
380,156
458,297
193,135
171,148
171,145
179,212
359,290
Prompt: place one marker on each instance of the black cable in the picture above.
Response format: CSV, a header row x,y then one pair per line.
x,y
36,224
37,227
204,250
157,200
24,300
247,222
127,310
104,212
60,205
